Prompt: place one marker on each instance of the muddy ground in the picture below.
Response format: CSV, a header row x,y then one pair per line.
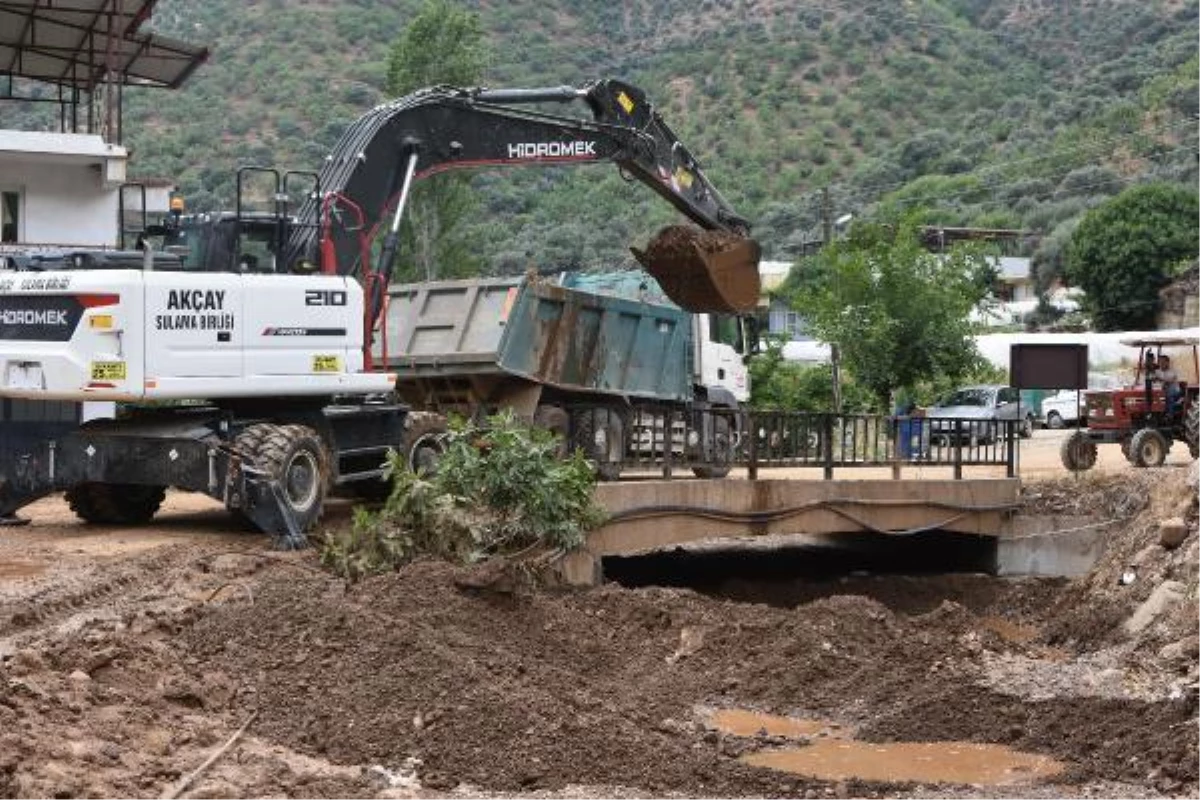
x,y
128,657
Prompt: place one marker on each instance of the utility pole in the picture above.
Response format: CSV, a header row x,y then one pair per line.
x,y
834,351
826,218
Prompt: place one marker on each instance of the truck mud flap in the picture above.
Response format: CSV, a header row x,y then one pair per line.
x,y
704,271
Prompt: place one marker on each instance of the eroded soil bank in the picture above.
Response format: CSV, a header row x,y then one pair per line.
x,y
125,662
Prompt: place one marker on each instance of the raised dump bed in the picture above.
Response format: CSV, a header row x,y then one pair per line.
x,y
482,341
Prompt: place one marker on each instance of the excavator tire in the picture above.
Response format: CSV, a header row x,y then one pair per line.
x,y
424,441
115,503
296,457
704,271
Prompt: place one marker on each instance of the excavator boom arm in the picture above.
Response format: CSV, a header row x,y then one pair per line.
x,y
442,129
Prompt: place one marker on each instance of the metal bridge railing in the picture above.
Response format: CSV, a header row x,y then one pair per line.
x,y
711,444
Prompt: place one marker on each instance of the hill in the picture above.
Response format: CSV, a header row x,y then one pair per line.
x,y
968,112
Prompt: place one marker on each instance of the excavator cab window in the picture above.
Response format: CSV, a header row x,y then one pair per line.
x,y
256,248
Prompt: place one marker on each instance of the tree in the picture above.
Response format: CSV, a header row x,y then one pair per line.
x,y
442,45
898,313
1126,249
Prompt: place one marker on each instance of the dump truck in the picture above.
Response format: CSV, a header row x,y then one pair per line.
x,y
605,361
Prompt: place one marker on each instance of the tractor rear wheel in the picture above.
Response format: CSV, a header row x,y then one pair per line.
x,y
115,503
1148,448
1078,452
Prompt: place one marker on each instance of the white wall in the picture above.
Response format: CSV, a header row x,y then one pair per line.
x,y
61,203
1105,350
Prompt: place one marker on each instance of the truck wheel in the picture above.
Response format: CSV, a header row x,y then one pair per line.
x,y
1125,451
600,434
721,451
424,441
296,457
558,422
1026,428
1191,427
115,503
1054,421
1148,448
1078,452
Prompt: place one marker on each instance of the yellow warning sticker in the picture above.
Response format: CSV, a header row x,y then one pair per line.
x,y
625,102
101,321
327,364
108,370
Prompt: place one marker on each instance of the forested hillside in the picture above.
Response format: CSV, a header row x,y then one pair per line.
x,y
1013,113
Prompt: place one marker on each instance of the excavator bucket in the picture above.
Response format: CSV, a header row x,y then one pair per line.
x,y
704,271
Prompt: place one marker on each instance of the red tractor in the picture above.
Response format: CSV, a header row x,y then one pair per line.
x,y
1142,418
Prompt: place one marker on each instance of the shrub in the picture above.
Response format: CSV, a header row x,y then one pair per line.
x,y
500,490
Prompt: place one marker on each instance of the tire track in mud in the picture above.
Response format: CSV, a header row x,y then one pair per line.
x,y
113,586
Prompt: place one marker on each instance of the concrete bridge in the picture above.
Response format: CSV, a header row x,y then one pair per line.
x,y
657,515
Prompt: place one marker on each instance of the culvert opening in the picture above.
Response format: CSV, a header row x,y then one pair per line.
x,y
913,573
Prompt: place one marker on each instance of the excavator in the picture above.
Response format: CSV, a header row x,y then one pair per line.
x,y
273,352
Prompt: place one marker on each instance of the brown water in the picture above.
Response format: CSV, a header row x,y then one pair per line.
x,y
831,755
739,722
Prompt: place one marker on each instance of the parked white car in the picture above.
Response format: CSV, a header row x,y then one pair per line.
x,y
1062,409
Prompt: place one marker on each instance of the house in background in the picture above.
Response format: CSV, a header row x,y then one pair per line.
x,y
1014,283
1014,295
781,320
59,189
1180,300
63,186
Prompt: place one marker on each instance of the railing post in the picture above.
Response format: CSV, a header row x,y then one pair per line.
x,y
827,435
668,441
958,443
751,429
1010,430
896,449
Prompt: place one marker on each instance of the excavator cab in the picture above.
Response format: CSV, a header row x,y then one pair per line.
x,y
222,242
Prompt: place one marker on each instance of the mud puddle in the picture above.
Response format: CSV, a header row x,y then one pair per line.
x,y
15,570
830,753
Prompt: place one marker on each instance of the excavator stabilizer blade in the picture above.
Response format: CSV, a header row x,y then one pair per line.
x,y
704,271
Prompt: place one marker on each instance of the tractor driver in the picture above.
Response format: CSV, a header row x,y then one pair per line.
x,y
1170,382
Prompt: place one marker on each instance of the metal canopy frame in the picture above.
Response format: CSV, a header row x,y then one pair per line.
x,y
86,50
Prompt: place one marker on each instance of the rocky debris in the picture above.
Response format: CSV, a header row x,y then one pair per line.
x,y
1165,597
1173,532
1184,650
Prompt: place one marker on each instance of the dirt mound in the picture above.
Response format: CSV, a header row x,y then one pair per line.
x,y
1121,495
542,691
